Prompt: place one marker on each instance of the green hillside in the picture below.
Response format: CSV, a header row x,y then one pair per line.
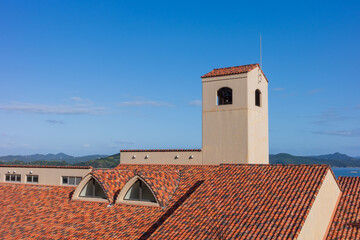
x,y
284,158
36,163
281,158
106,162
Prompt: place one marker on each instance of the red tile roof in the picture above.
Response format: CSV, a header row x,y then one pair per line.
x,y
227,201
42,166
346,223
163,183
230,70
161,150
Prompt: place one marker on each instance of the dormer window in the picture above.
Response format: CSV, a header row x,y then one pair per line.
x,y
258,98
139,191
224,96
92,190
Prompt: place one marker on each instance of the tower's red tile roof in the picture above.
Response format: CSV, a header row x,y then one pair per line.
x,y
210,202
230,70
346,223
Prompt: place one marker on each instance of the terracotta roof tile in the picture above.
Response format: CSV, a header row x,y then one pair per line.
x,y
208,202
162,183
230,70
161,150
346,223
112,181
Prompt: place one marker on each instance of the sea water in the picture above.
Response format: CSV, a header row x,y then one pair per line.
x,y
348,172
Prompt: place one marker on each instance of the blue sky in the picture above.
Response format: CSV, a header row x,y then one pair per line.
x,y
86,77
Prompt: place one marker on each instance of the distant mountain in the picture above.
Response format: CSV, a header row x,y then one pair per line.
x,y
284,158
106,162
49,157
103,161
334,156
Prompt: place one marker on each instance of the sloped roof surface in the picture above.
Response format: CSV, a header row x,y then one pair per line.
x,y
163,183
226,201
230,70
112,181
346,223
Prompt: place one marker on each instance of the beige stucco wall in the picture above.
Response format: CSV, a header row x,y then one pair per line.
x,y
224,142
258,127
319,217
238,132
47,176
161,157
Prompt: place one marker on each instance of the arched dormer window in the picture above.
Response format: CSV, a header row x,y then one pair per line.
x,y
139,191
258,98
224,96
92,190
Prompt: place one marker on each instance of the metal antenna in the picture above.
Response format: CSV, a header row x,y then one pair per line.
x,y
260,53
259,71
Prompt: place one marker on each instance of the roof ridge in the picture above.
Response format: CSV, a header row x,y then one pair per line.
x,y
46,166
238,66
217,72
162,150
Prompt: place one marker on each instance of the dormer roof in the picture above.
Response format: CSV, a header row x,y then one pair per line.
x,y
163,183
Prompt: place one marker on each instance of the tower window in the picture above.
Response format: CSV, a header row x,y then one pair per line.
x,y
258,98
140,192
224,96
93,190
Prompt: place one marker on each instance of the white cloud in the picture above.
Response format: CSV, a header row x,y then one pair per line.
x,y
120,144
327,117
125,142
144,103
196,103
7,145
342,133
4,135
52,121
86,145
51,109
76,99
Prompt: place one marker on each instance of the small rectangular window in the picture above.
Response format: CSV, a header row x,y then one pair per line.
x,y
32,178
71,180
64,180
77,180
13,178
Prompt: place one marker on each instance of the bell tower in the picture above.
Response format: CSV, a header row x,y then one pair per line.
x,y
235,116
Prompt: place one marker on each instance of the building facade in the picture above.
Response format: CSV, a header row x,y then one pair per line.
x,y
234,122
